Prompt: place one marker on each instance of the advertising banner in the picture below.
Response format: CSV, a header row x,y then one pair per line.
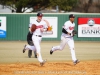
x,y
88,27
2,27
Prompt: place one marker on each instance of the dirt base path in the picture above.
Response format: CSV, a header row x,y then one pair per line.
x,y
51,68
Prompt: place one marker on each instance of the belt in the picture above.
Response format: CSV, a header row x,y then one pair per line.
x,y
39,35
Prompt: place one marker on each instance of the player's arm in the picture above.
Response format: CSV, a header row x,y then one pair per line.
x,y
47,22
73,33
65,29
66,32
45,27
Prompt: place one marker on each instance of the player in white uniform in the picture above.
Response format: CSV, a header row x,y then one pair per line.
x,y
67,38
29,41
37,37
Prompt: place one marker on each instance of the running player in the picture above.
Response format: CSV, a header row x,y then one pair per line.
x,y
67,38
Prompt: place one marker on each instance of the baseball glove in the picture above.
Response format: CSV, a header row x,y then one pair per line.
x,y
74,32
33,27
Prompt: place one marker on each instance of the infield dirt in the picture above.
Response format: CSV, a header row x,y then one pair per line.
x,y
14,62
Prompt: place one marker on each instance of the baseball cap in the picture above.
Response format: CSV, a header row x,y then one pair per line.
x,y
71,16
39,14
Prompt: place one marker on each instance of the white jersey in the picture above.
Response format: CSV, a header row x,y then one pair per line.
x,y
39,25
69,27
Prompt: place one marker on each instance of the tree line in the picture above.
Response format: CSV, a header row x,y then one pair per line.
x,y
65,5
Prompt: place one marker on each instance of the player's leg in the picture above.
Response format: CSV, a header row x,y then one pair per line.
x,y
35,55
29,53
60,47
28,47
37,46
32,44
37,41
72,49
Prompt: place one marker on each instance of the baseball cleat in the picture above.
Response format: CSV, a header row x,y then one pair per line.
x,y
51,51
24,49
76,62
35,56
42,63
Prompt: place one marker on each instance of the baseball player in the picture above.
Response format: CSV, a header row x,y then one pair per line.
x,y
37,37
29,41
67,38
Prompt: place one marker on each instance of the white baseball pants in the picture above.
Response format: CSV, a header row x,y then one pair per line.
x,y
37,41
64,41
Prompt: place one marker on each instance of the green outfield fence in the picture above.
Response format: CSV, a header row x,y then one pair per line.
x,y
17,25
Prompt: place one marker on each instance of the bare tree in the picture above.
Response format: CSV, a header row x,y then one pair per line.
x,y
87,5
